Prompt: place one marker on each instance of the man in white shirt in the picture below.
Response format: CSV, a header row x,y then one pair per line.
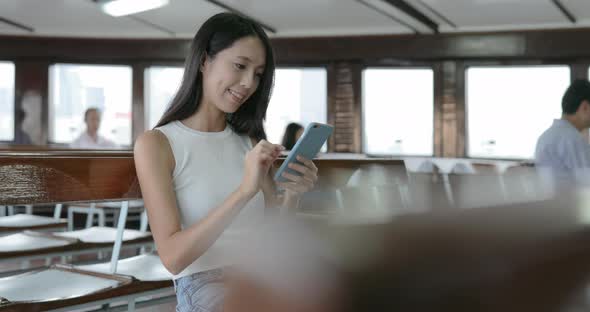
x,y
90,139
562,151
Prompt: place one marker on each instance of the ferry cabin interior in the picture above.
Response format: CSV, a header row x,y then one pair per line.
x,y
428,196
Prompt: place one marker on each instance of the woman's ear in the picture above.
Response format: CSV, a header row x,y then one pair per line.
x,y
204,61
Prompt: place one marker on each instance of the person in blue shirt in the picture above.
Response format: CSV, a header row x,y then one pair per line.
x,y
562,150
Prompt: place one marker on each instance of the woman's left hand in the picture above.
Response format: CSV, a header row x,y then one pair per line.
x,y
299,184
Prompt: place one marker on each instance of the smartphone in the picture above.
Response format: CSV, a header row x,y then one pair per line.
x,y
309,144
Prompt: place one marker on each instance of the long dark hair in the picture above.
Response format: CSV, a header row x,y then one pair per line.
x,y
290,134
218,33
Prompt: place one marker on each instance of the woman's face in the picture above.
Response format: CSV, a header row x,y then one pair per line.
x,y
232,76
92,121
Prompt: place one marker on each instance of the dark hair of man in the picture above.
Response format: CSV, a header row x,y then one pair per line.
x,y
218,33
20,115
88,110
575,94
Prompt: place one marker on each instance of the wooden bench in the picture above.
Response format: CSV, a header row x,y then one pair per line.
x,y
51,176
66,176
48,177
521,257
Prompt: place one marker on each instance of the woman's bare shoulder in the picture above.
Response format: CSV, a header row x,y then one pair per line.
x,y
150,140
153,144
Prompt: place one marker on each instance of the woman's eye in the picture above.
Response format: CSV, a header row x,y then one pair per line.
x,y
259,76
239,66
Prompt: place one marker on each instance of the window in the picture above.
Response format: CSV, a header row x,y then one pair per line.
x,y
74,88
6,101
508,108
299,95
161,86
398,108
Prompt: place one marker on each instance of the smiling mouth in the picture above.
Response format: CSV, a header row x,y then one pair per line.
x,y
236,96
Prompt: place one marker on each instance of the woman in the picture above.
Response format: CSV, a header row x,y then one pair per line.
x,y
205,169
292,133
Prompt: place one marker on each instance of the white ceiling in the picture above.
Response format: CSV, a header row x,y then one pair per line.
x,y
68,17
579,8
318,17
476,15
181,18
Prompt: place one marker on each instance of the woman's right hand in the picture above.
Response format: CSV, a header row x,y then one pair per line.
x,y
256,165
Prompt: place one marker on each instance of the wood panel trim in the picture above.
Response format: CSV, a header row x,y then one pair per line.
x,y
579,70
345,107
549,44
59,176
357,85
437,137
138,108
49,177
32,81
460,111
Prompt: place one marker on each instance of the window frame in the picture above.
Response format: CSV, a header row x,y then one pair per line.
x,y
14,101
130,65
462,92
145,83
436,73
310,65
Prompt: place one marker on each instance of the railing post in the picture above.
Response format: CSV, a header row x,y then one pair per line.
x,y
119,237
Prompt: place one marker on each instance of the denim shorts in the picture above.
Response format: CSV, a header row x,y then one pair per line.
x,y
200,292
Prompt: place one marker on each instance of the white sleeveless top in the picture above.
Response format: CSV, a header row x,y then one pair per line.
x,y
209,167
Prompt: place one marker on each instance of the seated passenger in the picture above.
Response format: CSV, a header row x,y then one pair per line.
x,y
20,136
90,139
292,133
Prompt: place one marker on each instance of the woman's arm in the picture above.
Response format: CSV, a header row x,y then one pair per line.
x,y
178,248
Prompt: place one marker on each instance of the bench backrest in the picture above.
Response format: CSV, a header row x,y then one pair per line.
x,y
60,176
